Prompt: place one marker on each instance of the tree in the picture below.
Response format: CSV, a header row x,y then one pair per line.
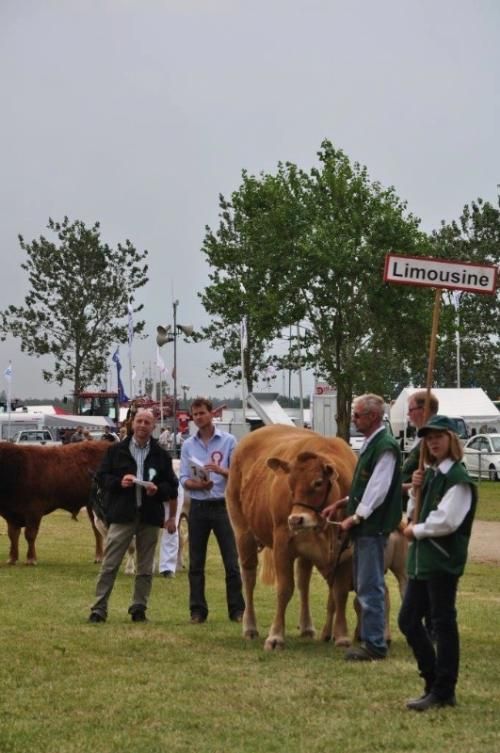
x,y
474,238
241,299
310,248
80,290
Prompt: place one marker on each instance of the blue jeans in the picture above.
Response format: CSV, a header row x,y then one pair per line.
x,y
206,516
369,585
438,666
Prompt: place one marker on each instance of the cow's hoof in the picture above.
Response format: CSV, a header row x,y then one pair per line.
x,y
12,562
31,563
250,633
308,633
326,636
274,644
343,642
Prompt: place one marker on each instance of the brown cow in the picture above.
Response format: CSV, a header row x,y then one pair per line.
x,y
279,481
35,481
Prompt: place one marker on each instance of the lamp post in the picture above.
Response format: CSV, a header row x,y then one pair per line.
x,y
168,334
185,388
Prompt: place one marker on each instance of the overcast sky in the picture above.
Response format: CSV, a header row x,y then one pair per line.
x,y
138,113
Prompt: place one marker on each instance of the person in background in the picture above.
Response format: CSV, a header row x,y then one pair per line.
x,y
373,512
416,415
209,453
137,477
78,435
166,439
87,435
436,560
108,436
169,542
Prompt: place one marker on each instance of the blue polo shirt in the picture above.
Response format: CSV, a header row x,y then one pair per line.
x,y
218,450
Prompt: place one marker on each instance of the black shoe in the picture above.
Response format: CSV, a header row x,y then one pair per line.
x,y
197,619
167,574
363,652
96,617
139,616
430,701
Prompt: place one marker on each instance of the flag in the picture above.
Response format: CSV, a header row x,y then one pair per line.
x,y
8,372
122,397
243,334
159,361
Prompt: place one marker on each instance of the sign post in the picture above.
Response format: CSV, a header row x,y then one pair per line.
x,y
437,273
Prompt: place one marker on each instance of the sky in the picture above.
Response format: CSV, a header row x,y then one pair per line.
x,y
139,113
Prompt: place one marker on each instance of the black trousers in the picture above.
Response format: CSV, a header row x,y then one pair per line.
x,y
438,666
206,516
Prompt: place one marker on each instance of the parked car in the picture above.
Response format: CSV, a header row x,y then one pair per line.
x,y
99,435
482,456
34,436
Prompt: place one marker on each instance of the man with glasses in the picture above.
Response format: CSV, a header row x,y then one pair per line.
x,y
416,416
373,512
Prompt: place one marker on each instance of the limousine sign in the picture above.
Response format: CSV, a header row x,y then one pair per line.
x,y
437,273
440,273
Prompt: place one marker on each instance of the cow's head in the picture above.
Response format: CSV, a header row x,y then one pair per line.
x,y
311,478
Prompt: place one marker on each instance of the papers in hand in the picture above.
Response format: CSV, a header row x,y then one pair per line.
x,y
145,484
198,472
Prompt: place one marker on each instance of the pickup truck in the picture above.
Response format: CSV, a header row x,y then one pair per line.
x,y
34,436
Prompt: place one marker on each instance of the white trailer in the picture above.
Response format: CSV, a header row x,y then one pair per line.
x,y
11,423
324,412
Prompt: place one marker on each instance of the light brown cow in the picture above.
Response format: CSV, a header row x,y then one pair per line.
x,y
279,481
35,481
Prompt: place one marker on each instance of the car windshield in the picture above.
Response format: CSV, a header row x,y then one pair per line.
x,y
495,441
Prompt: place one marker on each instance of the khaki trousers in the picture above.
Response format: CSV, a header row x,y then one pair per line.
x,y
117,542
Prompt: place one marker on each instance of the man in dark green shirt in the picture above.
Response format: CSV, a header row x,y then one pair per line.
x,y
373,511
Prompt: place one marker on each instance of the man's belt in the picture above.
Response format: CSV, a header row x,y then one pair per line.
x,y
209,500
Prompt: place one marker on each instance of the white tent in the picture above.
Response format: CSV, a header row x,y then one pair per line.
x,y
470,403
66,421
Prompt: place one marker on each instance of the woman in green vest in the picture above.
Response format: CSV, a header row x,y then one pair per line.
x,y
436,560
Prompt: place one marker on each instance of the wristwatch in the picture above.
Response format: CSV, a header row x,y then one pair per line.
x,y
357,519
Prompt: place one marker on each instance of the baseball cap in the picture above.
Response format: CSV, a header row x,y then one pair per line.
x,y
437,423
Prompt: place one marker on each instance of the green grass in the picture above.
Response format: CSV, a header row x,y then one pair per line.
x,y
489,502
168,686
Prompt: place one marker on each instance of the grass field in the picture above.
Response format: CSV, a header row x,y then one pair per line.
x,y
488,502
168,686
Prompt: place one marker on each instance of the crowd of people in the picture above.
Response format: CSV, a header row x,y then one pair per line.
x,y
143,494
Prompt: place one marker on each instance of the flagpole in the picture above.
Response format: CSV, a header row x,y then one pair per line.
x,y
8,378
130,334
161,401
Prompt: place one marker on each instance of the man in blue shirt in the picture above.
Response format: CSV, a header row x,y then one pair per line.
x,y
205,459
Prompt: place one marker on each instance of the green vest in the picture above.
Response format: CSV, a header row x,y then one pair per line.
x,y
442,554
387,516
410,465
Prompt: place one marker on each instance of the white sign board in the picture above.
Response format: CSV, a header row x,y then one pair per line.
x,y
440,273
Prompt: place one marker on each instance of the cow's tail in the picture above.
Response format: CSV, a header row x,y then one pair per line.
x,y
267,573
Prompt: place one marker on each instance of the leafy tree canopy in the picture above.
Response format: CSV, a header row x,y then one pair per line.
x,y
475,238
310,247
76,307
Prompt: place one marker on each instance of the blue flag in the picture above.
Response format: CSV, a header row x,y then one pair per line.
x,y
122,397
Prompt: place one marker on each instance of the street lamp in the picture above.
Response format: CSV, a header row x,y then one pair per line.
x,y
185,389
169,334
